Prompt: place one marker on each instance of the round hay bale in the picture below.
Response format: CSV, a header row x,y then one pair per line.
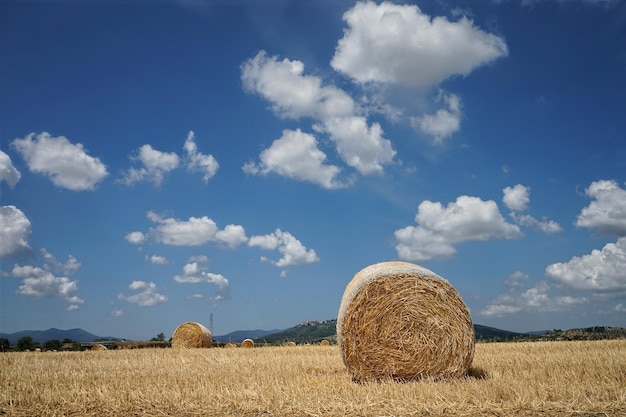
x,y
99,347
248,343
191,335
401,321
230,345
291,344
324,343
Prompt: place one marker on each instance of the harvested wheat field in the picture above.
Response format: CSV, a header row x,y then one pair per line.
x,y
508,379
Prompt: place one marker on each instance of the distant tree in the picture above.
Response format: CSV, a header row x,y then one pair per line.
x,y
67,340
53,344
159,338
25,343
4,344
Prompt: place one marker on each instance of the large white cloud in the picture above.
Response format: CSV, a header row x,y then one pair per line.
x,y
607,212
296,155
439,228
68,165
601,271
145,295
199,162
43,283
8,172
15,230
155,165
295,95
400,44
292,250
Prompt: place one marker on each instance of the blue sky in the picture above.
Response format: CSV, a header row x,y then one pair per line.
x,y
166,161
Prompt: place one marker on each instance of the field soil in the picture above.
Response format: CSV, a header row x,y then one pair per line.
x,y
586,378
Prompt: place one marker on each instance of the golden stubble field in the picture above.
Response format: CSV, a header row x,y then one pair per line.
x,y
585,378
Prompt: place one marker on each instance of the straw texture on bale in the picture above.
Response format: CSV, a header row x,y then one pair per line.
x,y
191,335
324,343
248,343
230,345
99,347
401,321
291,344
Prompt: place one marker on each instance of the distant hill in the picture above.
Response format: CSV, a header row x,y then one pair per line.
x,y
241,335
42,336
315,331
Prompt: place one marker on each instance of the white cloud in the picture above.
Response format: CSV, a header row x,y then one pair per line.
x,y
15,229
8,172
439,228
155,165
198,162
620,308
295,95
544,225
292,250
41,283
157,259
399,44
296,155
535,299
117,312
516,198
67,165
70,267
146,294
443,123
514,280
601,271
607,212
135,238
196,231
194,273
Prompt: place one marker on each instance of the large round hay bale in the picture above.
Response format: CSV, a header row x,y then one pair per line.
x,y
248,343
401,321
191,335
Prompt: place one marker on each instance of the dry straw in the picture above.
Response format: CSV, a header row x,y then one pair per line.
x,y
291,344
191,335
401,321
248,343
324,343
98,347
230,345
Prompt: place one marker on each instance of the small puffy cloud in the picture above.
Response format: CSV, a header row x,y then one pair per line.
x,y
292,250
543,225
145,295
42,283
535,299
439,228
155,165
195,231
67,165
197,162
514,280
400,44
296,155
135,238
516,198
117,312
620,308
8,172
157,259
601,271
295,95
444,122
607,212
194,273
71,266
15,229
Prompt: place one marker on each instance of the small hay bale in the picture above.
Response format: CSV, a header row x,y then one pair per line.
x,y
324,343
192,335
230,345
99,347
291,344
401,321
248,343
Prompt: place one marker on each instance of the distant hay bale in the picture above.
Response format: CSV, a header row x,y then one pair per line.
x,y
291,344
99,347
191,335
401,321
248,343
324,343
230,345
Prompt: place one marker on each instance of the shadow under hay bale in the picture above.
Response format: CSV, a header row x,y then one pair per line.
x,y
401,321
192,335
